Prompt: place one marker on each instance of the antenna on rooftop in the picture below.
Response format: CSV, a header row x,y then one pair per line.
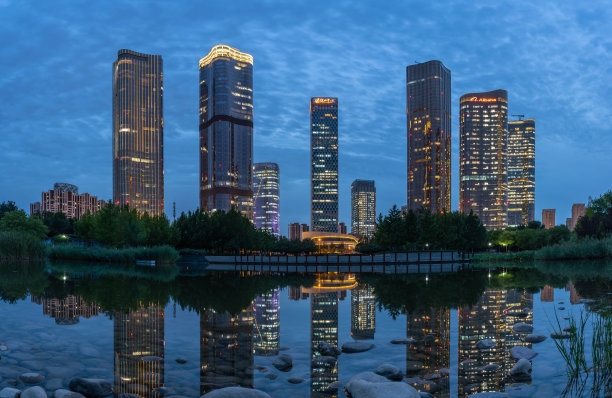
x,y
520,117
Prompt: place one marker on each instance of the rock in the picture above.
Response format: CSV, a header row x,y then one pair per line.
x,y
582,301
335,385
128,395
236,392
33,392
519,352
9,393
371,385
353,347
521,327
295,380
489,395
485,344
3,347
403,341
325,361
424,394
561,308
492,367
32,378
561,302
432,376
91,388
521,368
534,338
568,329
326,349
12,382
182,361
283,362
271,376
67,394
164,391
54,384
390,372
559,335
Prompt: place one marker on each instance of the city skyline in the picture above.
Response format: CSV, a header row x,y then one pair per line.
x,y
366,147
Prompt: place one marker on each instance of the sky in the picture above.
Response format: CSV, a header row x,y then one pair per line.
x,y
553,58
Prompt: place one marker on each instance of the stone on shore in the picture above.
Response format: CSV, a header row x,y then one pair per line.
x,y
91,388
353,347
534,338
9,392
485,344
236,392
61,393
403,341
390,372
371,385
521,327
521,368
33,392
284,362
519,352
329,350
295,380
32,378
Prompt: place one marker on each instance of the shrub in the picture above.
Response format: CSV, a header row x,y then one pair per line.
x,y
161,254
19,246
581,249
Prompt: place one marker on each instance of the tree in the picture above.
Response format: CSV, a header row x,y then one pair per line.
x,y
18,221
7,207
85,228
57,223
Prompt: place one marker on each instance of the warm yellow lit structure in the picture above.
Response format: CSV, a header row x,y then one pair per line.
x,y
332,282
332,242
223,50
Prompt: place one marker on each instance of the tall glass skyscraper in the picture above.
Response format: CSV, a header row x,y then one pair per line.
x,y
521,172
363,208
266,197
226,130
138,132
324,164
483,157
266,314
428,109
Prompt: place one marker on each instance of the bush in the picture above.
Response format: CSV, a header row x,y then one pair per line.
x,y
161,254
19,246
582,249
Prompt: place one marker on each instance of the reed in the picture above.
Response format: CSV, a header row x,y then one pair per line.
x,y
20,246
161,254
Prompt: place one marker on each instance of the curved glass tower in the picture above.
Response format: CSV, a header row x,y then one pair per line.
x,y
138,132
226,130
266,192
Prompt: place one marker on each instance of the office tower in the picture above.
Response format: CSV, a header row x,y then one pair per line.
x,y
138,132
342,228
578,210
266,312
548,218
139,351
226,349
568,223
363,312
66,311
65,198
428,111
226,130
266,191
521,172
483,176
547,294
363,208
324,164
296,229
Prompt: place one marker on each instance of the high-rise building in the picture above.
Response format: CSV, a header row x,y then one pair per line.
x,y
266,197
68,310
363,208
578,210
226,130
342,228
324,164
65,198
363,312
428,109
139,351
138,132
266,313
296,229
521,172
548,218
483,149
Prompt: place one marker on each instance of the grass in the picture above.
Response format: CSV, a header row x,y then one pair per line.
x,y
577,250
19,246
161,254
516,257
192,252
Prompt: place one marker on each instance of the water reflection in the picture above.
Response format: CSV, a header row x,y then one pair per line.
x,y
266,309
363,312
68,310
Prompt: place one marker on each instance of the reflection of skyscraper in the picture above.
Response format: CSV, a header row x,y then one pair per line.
x,y
574,296
491,318
266,337
547,294
68,310
363,312
431,350
226,349
139,351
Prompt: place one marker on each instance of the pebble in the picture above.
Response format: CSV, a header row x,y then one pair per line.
x,y
283,362
403,341
67,394
534,338
182,361
33,392
295,380
9,392
519,352
32,378
353,347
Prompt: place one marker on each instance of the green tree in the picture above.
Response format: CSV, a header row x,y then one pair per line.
x,y
7,207
85,228
19,222
57,223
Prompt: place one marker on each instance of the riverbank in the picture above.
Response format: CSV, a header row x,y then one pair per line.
x,y
160,254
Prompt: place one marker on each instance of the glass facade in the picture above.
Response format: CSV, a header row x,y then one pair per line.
x,y
483,152
226,130
428,109
266,197
266,312
324,164
521,172
138,132
363,208
363,312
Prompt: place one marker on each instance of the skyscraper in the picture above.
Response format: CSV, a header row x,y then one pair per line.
x,y
65,198
578,210
266,191
363,208
548,218
324,164
483,151
138,132
266,314
521,172
428,110
226,130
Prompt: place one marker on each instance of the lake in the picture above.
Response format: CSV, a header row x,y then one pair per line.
x,y
163,332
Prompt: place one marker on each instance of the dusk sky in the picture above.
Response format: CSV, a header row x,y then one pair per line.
x,y
553,58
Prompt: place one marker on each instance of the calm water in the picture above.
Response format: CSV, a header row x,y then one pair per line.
x,y
130,327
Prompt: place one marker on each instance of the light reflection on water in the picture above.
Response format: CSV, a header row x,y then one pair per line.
x,y
134,335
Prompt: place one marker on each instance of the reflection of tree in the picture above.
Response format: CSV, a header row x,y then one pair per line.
x,y
18,280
